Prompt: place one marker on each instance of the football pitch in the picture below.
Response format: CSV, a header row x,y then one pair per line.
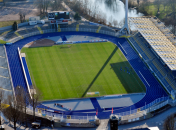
x,y
70,71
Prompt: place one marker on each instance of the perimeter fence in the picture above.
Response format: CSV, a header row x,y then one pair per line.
x,y
11,38
148,108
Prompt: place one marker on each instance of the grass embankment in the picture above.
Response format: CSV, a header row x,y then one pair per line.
x,y
7,23
2,42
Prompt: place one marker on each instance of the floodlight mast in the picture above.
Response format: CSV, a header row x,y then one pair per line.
x,y
125,27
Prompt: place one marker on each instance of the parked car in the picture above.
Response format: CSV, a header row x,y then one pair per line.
x,y
36,125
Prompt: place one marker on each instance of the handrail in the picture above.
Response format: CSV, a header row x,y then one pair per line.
x,y
15,39
145,109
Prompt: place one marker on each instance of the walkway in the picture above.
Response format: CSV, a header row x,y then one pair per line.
x,y
91,105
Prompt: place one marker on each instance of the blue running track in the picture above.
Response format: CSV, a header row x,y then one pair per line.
x,y
95,104
27,71
153,89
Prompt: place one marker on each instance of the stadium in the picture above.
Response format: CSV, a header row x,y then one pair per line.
x,y
91,62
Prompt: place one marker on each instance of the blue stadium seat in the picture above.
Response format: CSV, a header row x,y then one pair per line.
x,y
153,88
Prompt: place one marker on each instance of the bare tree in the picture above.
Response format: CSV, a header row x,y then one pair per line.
x,y
138,1
121,23
110,20
157,4
46,5
104,21
115,22
13,112
169,123
22,16
56,4
43,5
24,99
35,100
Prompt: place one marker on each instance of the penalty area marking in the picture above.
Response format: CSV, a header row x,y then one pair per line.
x,y
133,69
122,48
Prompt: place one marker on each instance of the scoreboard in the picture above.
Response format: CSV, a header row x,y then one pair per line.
x,y
59,17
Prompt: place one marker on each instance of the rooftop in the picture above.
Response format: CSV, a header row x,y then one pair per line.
x,y
159,37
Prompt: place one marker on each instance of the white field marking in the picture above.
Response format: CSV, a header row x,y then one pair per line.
x,y
133,69
122,48
118,78
144,78
70,49
88,85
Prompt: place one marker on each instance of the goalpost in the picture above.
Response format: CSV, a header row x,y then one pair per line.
x,y
93,93
63,43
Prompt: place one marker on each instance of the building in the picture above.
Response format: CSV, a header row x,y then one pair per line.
x,y
59,17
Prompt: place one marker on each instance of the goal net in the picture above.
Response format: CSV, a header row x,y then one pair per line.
x,y
93,93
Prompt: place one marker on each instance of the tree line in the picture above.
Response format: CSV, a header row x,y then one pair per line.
x,y
45,5
165,10
91,12
17,105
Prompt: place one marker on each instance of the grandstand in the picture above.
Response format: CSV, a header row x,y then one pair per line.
x,y
154,89
155,48
157,40
5,78
20,33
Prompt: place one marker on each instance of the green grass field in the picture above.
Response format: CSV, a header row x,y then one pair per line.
x,y
61,71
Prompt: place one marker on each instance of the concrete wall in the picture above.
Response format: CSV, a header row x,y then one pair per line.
x,y
10,27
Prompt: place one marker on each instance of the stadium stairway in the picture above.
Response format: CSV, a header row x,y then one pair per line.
x,y
19,35
77,27
58,29
153,89
98,29
95,104
40,30
155,64
63,38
